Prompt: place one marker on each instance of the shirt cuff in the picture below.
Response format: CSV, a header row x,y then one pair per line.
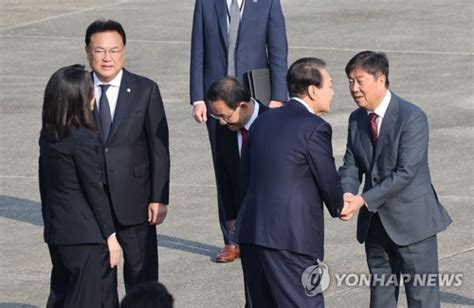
x,y
198,102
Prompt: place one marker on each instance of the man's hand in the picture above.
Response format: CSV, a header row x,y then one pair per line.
x,y
200,112
157,213
114,250
275,104
351,205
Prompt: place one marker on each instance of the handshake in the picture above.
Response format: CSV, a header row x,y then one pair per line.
x,y
351,205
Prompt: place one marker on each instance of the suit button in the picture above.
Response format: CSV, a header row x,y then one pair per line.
x,y
106,150
375,180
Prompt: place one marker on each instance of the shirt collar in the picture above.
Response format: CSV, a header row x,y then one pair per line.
x,y
382,108
256,108
303,103
239,2
114,82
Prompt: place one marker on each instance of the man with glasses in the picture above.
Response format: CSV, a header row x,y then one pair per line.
x,y
134,132
235,111
230,37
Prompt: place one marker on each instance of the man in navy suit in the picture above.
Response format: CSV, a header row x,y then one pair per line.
x,y
231,105
225,46
287,172
400,214
134,134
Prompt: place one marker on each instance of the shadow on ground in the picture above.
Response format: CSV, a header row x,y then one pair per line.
x,y
455,299
30,212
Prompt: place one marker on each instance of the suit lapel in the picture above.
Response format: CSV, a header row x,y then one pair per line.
x,y
364,134
387,126
249,17
221,13
124,101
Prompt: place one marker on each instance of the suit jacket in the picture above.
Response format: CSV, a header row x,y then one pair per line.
x,y
396,173
136,153
228,166
74,205
261,43
287,175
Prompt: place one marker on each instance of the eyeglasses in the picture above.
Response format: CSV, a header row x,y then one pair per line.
x,y
225,119
99,52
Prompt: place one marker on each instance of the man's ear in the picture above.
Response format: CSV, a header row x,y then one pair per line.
x,y
313,92
381,79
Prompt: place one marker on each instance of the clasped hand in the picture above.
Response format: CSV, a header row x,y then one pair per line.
x,y
351,205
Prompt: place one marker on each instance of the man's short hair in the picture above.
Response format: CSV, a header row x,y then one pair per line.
x,y
230,90
374,63
105,26
148,294
304,73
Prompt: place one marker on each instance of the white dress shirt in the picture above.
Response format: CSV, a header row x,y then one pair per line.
x,y
248,124
112,92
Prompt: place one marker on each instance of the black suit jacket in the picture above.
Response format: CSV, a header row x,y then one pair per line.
x,y
136,153
227,168
75,207
288,171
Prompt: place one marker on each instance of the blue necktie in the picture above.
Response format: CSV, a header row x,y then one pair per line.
x,y
104,113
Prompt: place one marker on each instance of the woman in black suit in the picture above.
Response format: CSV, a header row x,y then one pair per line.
x,y
78,222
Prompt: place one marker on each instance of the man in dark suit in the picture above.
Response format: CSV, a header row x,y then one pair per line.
x,y
225,46
287,172
235,111
134,134
400,214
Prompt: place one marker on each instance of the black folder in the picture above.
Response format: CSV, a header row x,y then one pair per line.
x,y
259,83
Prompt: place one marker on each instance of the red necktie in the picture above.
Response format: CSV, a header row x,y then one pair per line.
x,y
243,131
373,127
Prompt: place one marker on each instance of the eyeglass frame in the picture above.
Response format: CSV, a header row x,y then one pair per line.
x,y
100,52
225,119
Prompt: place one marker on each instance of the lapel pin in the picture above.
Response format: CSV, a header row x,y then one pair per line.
x,y
255,1
128,90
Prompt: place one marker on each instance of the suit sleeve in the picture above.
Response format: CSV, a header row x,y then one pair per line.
x,y
86,156
277,45
42,187
412,153
321,162
351,174
158,147
196,82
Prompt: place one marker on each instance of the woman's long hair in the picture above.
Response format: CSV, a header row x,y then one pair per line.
x,y
66,102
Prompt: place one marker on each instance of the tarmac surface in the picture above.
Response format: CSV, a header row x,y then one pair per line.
x,y
431,52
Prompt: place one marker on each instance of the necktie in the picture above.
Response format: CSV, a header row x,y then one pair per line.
x,y
373,127
104,113
234,22
243,131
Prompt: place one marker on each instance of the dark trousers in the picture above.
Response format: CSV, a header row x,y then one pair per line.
x,y
140,253
77,277
387,260
211,131
273,278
